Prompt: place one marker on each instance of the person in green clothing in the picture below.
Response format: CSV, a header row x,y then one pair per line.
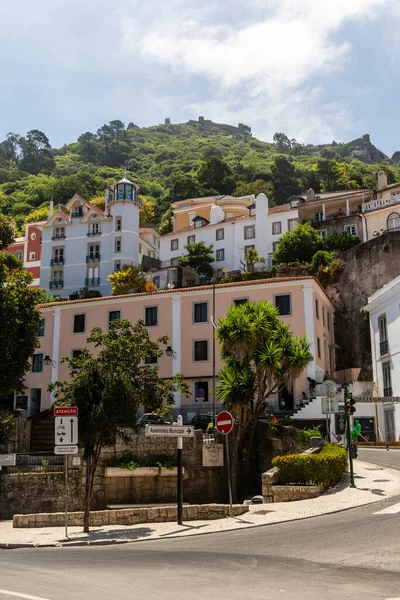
x,y
356,431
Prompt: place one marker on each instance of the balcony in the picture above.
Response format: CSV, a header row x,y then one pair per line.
x,y
89,233
56,285
92,281
56,261
387,392
77,213
90,258
384,348
59,236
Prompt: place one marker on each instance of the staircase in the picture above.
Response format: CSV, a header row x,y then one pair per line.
x,y
42,432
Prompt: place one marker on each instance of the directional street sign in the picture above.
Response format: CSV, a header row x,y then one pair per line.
x,y
66,431
65,449
170,430
224,422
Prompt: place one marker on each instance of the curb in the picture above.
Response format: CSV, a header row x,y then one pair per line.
x,y
72,544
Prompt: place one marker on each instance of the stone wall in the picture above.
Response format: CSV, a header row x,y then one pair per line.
x,y
131,516
367,268
44,492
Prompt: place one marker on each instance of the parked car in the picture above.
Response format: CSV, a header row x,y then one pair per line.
x,y
201,421
150,419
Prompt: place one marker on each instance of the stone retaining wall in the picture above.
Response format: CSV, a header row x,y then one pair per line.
x,y
131,516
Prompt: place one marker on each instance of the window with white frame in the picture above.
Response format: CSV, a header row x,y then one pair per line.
x,y
31,256
117,247
393,222
191,239
175,244
276,227
322,233
292,223
118,223
352,229
249,232
220,254
318,216
18,254
387,379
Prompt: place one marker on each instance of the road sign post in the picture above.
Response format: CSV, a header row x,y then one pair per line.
x,y
179,488
224,424
178,431
66,442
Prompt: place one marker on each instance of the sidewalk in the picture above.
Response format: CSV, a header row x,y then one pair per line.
x,y
373,484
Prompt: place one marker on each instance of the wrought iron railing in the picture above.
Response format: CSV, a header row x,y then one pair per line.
x,y
93,258
56,285
92,281
56,261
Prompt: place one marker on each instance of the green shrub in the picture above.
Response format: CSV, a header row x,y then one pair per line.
x,y
326,467
305,435
7,426
130,461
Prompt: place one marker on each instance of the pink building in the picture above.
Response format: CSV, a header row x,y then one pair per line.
x,y
184,315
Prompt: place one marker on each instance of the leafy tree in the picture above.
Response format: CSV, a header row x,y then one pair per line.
x,y
146,211
339,242
282,142
261,357
166,224
105,134
118,130
109,386
86,292
130,278
6,232
251,259
7,427
298,245
212,174
200,258
18,316
326,172
39,214
259,186
36,152
87,146
283,179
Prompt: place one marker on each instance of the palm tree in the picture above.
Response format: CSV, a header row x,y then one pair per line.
x,y
261,357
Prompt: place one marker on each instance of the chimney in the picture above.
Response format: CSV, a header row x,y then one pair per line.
x,y
51,206
310,194
382,181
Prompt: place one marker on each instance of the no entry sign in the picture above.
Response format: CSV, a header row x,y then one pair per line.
x,y
224,422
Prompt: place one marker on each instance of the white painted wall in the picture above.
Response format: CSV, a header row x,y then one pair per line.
x,y
386,301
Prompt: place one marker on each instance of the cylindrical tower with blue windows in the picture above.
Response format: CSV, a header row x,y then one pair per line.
x,y
124,207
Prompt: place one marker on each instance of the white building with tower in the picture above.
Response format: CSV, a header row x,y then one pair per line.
x,y
83,246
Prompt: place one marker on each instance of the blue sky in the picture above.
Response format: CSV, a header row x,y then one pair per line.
x,y
317,70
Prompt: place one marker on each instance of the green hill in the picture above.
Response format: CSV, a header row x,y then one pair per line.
x,y
177,161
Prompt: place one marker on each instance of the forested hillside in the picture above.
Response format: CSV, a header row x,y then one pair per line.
x,y
174,162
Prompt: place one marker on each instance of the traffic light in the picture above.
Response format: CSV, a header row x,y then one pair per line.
x,y
350,402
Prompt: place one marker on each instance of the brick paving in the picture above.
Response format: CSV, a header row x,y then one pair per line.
x,y
373,484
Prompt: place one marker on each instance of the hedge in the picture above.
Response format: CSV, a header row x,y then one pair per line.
x,y
326,467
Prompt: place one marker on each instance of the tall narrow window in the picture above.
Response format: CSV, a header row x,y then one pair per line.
x,y
37,363
117,246
151,316
316,308
319,347
283,304
175,244
79,323
200,350
276,227
220,254
249,232
219,234
40,328
200,312
387,379
118,223
383,339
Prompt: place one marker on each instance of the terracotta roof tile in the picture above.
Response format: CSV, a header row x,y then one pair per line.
x,y
198,288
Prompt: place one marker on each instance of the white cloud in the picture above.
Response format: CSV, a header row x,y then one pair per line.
x,y
269,60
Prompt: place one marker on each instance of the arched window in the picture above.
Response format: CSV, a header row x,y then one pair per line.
x,y
393,222
18,254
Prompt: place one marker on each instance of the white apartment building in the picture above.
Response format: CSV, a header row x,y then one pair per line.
x,y
232,225
82,247
384,310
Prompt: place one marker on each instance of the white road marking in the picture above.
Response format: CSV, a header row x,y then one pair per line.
x,y
18,595
390,510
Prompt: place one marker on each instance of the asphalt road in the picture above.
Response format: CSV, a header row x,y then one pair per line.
x,y
380,456
355,554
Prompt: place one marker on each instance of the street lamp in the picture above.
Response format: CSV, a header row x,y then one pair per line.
x,y
170,352
47,361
